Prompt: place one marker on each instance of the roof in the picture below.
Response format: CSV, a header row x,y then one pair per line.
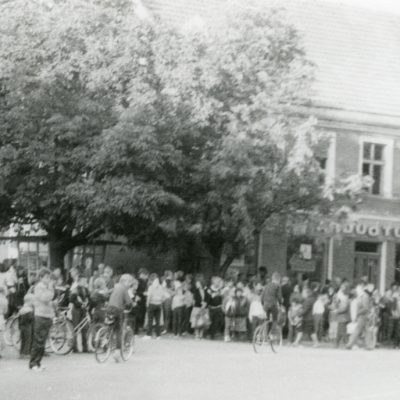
x,y
356,51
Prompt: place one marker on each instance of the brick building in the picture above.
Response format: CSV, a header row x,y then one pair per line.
x,y
357,99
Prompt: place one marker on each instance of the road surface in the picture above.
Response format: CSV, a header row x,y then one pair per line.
x,y
171,369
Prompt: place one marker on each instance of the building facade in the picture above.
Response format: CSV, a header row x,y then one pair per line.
x,y
357,100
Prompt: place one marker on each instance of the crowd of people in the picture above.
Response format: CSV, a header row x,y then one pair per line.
x,y
179,304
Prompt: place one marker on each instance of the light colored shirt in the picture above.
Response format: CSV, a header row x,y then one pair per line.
x,y
256,309
120,297
318,307
43,301
178,300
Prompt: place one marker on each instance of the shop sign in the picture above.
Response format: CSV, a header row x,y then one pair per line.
x,y
363,229
299,264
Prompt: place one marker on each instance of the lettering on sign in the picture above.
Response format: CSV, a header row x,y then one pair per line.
x,y
362,229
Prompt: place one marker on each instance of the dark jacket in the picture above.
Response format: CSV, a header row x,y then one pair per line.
x,y
271,295
79,297
214,297
198,299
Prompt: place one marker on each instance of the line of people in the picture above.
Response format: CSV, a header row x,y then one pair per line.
x,y
182,305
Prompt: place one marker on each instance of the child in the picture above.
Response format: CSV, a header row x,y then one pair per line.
x,y
294,318
80,299
155,298
178,310
318,316
215,307
229,308
240,314
189,301
25,321
257,313
98,300
3,312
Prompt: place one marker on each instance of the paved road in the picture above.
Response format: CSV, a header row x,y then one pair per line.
x,y
170,369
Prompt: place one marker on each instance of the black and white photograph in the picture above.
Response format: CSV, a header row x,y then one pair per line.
x,y
199,199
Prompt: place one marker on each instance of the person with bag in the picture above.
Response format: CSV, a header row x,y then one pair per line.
x,y
199,318
362,312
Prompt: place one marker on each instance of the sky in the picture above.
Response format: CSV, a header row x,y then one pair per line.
x,y
390,6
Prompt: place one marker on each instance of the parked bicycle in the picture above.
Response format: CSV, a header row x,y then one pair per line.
x,y
106,339
63,334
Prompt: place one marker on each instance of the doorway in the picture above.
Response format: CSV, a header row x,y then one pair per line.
x,y
366,262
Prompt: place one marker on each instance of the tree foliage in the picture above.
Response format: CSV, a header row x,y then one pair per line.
x,y
110,123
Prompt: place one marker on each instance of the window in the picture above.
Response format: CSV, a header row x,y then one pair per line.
x,y
322,161
95,252
33,256
367,247
373,165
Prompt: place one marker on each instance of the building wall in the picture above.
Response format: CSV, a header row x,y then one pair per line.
x,y
347,150
131,260
391,263
343,258
273,252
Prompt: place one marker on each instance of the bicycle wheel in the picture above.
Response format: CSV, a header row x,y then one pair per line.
x,y
7,334
103,344
260,338
15,333
275,339
61,337
127,343
91,335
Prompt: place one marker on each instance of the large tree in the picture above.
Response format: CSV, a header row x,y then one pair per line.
x,y
211,119
113,124
59,93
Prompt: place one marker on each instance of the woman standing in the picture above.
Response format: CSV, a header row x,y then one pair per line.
x,y
156,296
307,326
199,318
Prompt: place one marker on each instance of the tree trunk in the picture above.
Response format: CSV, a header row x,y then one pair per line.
x,y
57,252
227,263
257,244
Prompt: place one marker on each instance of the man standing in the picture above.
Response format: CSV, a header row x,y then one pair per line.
x,y
43,318
119,301
142,298
363,308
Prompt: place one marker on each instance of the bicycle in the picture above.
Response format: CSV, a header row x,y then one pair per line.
x,y
268,333
63,334
106,340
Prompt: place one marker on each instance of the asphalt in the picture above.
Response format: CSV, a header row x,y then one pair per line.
x,y
171,369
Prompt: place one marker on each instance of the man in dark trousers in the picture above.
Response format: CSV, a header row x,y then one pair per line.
x,y
271,297
141,294
44,312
